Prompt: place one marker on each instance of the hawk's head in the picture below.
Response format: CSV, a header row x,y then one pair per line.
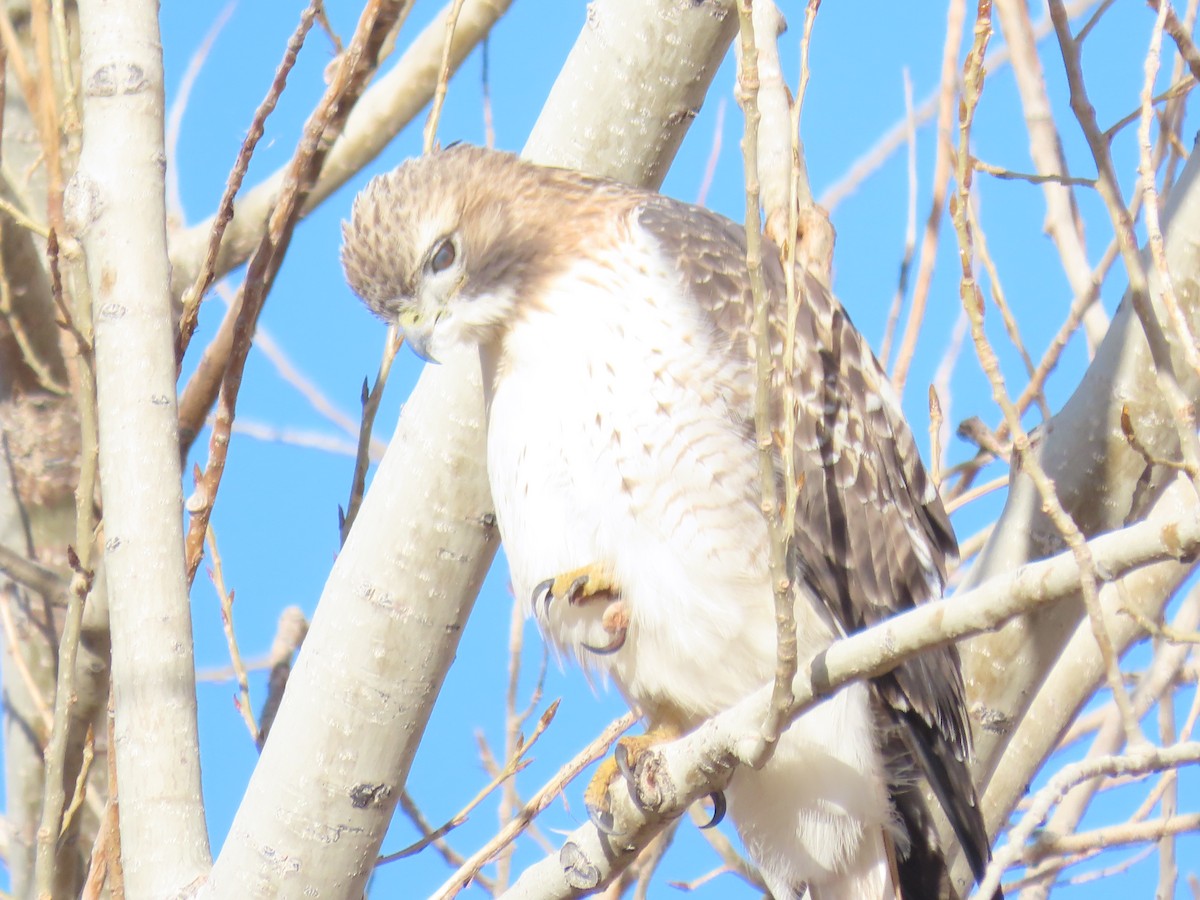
x,y
447,245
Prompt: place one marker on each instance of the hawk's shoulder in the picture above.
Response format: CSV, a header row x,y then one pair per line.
x,y
873,538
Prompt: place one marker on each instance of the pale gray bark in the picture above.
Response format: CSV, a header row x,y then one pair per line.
x,y
116,210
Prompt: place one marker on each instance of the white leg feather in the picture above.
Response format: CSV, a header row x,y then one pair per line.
x,y
815,814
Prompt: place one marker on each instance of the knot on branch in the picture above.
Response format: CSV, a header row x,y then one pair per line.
x,y
654,789
579,872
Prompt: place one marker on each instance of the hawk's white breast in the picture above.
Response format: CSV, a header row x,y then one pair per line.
x,y
610,442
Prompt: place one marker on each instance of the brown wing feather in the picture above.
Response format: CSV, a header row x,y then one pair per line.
x,y
872,536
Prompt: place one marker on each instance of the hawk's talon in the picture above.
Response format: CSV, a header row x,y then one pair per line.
x,y
602,819
544,589
575,594
626,768
718,813
585,585
611,647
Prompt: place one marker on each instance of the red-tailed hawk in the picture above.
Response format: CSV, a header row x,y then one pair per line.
x,y
614,329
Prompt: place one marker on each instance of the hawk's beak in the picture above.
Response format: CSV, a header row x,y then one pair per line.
x,y
417,330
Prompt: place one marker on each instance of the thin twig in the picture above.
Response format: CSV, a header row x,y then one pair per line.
x,y
290,632
980,490
910,225
23,219
512,766
179,106
956,13
80,560
45,714
71,121
1064,223
33,575
714,153
333,36
1168,871
1146,759
864,166
439,92
1176,91
217,573
1150,214
489,125
513,723
733,862
1139,289
973,303
322,127
54,797
1180,33
46,111
42,369
370,409
286,369
448,853
1010,175
538,802
194,294
1011,328
80,792
781,587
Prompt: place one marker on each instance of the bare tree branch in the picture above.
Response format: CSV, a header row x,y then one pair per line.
x,y
115,202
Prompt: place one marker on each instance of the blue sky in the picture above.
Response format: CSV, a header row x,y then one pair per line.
x,y
276,518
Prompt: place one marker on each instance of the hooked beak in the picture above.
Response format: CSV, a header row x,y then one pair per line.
x,y
418,331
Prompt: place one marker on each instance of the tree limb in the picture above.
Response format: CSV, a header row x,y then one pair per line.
x,y
115,202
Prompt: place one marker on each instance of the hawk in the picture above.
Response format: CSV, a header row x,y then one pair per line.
x,y
613,326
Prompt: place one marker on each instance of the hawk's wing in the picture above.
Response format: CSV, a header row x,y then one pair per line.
x,y
872,537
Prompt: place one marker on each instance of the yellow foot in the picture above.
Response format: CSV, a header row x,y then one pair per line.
x,y
580,585
585,585
625,764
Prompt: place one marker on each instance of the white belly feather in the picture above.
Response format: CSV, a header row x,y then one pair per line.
x,y
608,446
612,446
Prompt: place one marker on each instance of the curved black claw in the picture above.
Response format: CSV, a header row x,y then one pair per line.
x,y
612,646
602,819
621,756
543,591
718,813
575,591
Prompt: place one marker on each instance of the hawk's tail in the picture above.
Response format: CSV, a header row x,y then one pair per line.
x,y
923,872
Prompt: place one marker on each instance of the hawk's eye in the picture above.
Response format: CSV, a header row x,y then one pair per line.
x,y
443,257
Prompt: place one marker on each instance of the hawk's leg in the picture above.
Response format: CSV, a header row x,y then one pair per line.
x,y
585,585
626,763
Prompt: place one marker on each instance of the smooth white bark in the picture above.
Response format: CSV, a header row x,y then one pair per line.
x,y
115,207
